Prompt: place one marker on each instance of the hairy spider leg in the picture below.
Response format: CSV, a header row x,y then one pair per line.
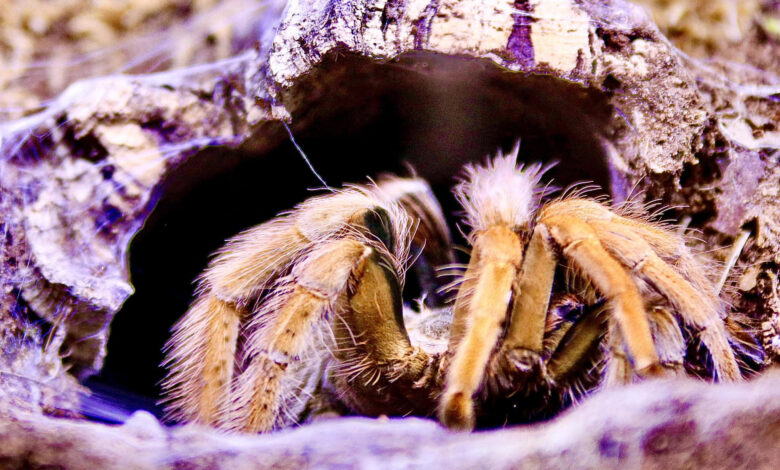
x,y
460,309
281,328
669,340
669,343
532,296
498,252
649,250
201,358
202,348
377,370
353,283
695,307
499,200
618,367
574,346
201,352
580,245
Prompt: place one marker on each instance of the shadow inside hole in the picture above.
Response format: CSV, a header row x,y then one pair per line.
x,y
380,118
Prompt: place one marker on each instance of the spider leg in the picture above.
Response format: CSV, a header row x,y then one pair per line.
x,y
697,306
660,258
249,261
496,256
202,346
460,309
669,343
669,340
580,244
574,346
499,200
532,295
378,371
618,367
568,347
282,325
200,354
349,278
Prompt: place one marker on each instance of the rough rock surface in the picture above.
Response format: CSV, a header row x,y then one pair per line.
x,y
660,425
595,79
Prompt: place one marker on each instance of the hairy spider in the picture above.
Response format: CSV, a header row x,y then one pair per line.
x,y
304,313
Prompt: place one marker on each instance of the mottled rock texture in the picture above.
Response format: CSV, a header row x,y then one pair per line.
x,y
658,425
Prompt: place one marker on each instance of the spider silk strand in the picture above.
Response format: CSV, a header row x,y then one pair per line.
x,y
305,158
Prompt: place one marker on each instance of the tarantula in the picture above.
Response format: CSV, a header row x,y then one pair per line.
x,y
304,312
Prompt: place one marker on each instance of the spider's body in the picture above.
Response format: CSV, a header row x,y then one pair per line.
x,y
557,299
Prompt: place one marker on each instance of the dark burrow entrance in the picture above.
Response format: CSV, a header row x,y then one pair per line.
x,y
360,119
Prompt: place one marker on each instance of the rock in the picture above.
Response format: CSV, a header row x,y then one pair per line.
x,y
659,424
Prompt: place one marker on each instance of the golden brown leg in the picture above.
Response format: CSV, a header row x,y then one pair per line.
x,y
202,348
460,311
698,307
499,252
201,351
618,367
666,244
695,311
581,338
378,371
356,286
252,259
588,330
201,360
249,261
280,329
669,341
532,295
581,246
